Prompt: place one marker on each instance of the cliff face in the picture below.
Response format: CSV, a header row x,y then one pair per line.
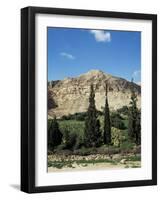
x,y
71,95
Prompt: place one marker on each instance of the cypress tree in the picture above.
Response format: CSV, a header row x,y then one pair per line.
x,y
92,132
134,126
107,122
138,128
54,134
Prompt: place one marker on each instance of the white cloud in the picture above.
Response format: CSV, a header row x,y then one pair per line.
x,y
136,73
136,76
101,36
67,55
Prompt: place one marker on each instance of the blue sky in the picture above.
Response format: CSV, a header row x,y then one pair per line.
x,y
72,52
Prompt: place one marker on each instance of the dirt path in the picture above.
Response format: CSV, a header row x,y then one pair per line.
x,y
96,166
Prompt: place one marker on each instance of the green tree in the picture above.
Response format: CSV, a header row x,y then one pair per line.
x,y
138,128
54,134
117,121
92,132
134,126
107,122
70,139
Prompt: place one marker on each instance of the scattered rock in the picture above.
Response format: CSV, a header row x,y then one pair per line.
x,y
123,161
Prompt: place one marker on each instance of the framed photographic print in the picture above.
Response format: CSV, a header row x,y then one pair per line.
x,y
88,99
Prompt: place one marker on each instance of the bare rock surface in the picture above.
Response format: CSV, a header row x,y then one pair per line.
x,y
71,95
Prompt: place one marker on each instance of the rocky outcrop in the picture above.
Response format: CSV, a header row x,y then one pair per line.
x,y
71,95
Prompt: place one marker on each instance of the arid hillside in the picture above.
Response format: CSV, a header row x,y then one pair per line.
x,y
71,95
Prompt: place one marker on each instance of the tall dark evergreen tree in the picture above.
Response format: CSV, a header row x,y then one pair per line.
x,y
92,132
54,134
134,127
138,128
107,122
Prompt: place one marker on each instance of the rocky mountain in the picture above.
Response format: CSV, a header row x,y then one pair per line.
x,y
71,95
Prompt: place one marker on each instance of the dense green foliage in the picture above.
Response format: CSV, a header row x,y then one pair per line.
x,y
77,116
134,127
69,139
74,126
124,110
54,134
117,137
92,132
117,121
138,128
107,122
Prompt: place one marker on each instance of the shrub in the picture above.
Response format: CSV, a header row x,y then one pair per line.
x,y
79,142
116,120
126,147
80,116
69,139
61,147
123,110
113,150
64,117
77,116
73,126
117,137
85,151
54,134
103,149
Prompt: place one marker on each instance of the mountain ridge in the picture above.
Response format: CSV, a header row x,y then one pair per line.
x,y
71,95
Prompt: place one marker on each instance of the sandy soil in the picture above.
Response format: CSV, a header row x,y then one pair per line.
x,y
96,166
